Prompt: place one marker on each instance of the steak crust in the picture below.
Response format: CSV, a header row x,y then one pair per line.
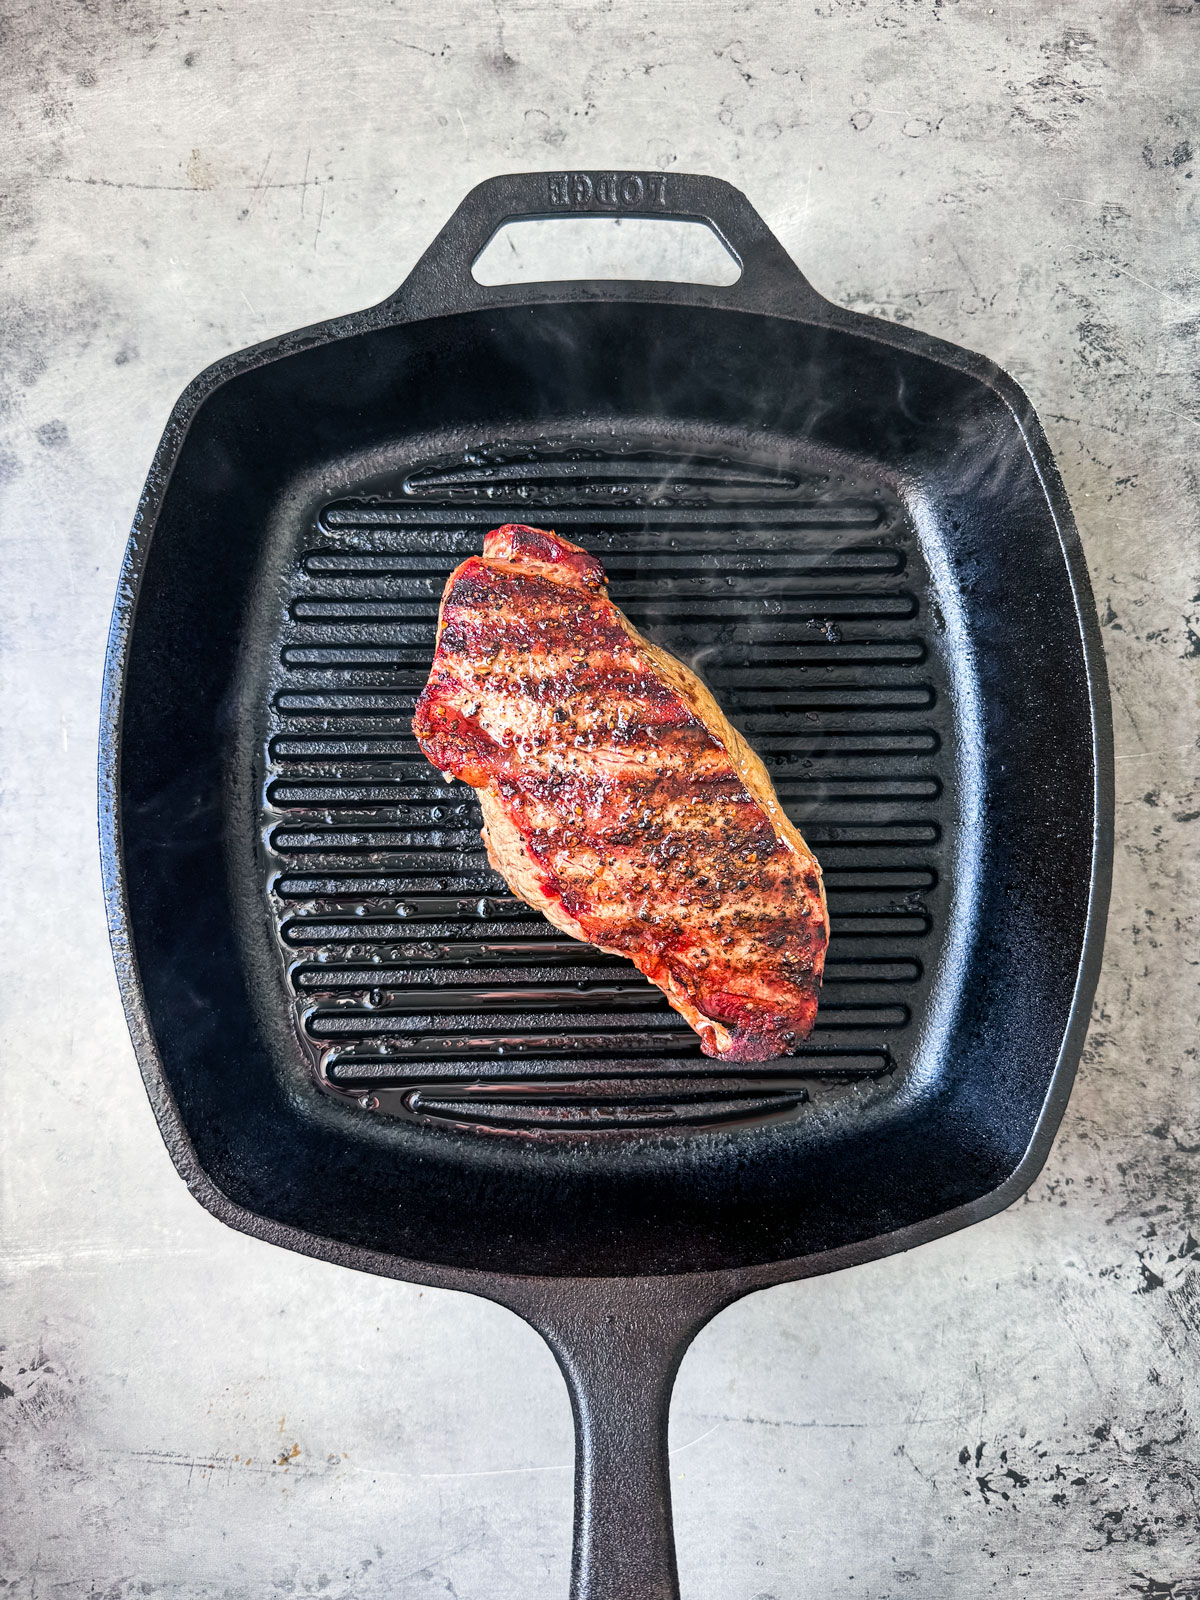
x,y
617,798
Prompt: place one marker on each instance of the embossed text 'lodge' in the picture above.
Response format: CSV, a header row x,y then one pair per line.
x,y
583,191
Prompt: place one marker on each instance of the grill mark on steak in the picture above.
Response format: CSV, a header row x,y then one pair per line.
x,y
617,798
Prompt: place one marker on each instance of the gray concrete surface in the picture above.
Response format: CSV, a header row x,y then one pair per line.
x,y
1012,1411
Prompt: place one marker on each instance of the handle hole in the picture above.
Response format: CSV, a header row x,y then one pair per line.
x,y
554,249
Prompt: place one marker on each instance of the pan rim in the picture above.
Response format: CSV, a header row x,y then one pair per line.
x,y
166,1109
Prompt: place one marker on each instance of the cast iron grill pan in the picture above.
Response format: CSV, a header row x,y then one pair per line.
x,y
359,1045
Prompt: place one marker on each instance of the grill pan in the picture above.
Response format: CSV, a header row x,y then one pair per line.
x,y
359,1044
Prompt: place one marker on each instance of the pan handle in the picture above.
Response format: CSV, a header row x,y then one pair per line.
x,y
441,281
619,1342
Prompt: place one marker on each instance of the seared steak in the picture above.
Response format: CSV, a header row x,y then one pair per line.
x,y
617,798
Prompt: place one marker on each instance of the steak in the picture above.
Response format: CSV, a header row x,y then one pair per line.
x,y
617,798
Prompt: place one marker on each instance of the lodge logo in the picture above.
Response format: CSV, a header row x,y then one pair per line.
x,y
607,191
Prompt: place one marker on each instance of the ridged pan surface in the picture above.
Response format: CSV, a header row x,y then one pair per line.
x,y
356,1037
424,987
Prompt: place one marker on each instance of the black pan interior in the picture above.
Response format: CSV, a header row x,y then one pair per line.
x,y
866,566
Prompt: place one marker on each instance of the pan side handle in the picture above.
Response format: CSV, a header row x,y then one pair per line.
x,y
441,281
619,1343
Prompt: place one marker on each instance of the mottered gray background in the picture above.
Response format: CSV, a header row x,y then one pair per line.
x,y
187,1413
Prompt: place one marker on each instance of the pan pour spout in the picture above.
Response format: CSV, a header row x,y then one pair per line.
x,y
617,798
